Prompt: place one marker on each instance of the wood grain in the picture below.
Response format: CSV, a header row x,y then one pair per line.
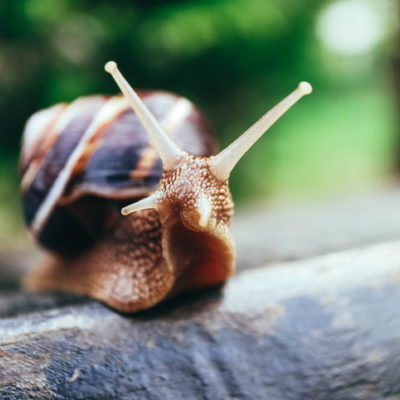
x,y
326,327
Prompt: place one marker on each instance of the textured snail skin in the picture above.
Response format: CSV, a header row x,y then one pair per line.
x,y
150,255
133,262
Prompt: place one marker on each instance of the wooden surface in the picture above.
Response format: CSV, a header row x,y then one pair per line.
x,y
319,327
322,328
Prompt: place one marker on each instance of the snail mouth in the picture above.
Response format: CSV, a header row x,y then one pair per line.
x,y
192,222
198,258
176,215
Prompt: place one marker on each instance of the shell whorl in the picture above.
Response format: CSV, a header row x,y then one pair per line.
x,y
96,146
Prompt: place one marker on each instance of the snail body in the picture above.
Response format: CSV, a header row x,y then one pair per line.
x,y
80,163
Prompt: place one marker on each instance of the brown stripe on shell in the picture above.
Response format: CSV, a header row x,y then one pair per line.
x,y
39,135
36,131
109,166
108,110
96,140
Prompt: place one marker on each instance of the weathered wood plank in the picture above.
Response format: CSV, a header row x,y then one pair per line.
x,y
322,328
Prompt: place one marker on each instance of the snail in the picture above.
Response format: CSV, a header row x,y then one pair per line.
x,y
82,162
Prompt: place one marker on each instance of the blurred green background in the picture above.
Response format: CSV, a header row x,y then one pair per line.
x,y
233,58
